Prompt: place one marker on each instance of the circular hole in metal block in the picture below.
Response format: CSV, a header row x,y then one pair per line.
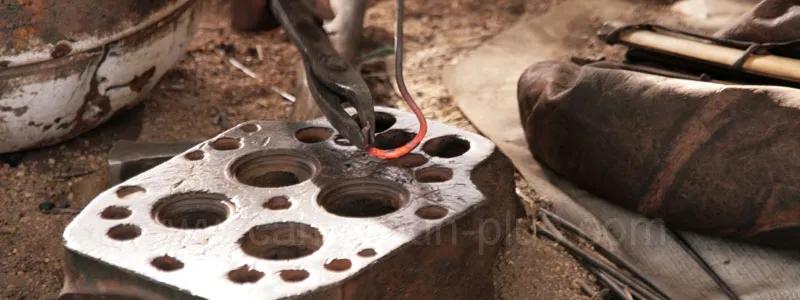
x,y
250,128
274,168
124,232
363,197
339,265
448,146
226,144
411,160
433,174
369,252
130,192
193,210
245,275
341,141
194,155
115,213
294,275
313,135
383,121
278,203
393,139
432,212
281,241
166,263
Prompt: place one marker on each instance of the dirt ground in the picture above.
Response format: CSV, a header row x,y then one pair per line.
x,y
204,95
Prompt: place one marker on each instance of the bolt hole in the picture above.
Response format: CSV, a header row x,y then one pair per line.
x,y
226,144
278,203
394,138
245,275
313,134
448,146
125,232
281,241
294,275
274,168
115,213
411,160
193,210
383,121
339,265
166,263
130,192
249,128
432,212
434,174
369,252
363,197
195,155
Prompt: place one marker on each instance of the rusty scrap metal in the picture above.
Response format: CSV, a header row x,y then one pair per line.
x,y
68,66
273,210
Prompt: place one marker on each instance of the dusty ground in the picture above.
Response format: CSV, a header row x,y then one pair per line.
x,y
204,95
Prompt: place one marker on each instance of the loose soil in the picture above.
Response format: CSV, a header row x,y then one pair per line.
x,y
204,95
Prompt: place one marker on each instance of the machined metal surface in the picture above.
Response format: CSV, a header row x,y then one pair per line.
x,y
66,67
275,210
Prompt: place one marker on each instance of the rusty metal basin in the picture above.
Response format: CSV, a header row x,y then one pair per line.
x,y
67,66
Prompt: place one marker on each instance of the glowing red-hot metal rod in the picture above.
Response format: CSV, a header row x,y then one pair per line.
x,y
401,85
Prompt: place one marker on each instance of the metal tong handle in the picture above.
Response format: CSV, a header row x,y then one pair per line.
x,y
332,80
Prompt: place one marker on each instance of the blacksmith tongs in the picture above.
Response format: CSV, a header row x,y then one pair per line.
x,y
331,79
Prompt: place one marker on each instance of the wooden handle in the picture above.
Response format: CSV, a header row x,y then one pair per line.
x,y
765,65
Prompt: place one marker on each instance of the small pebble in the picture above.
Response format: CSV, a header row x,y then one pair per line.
x,y
51,161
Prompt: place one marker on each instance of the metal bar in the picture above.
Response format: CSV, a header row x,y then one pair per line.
x,y
612,284
619,261
704,265
583,255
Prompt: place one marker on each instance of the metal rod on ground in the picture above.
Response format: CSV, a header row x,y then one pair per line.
x,y
619,261
612,285
589,291
704,265
583,255
549,225
601,274
236,64
627,292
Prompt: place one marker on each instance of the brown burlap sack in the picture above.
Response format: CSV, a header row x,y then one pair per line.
x,y
714,159
704,157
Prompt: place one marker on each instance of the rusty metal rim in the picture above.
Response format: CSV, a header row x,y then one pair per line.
x,y
44,58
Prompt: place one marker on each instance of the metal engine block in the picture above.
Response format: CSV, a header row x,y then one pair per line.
x,y
275,210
